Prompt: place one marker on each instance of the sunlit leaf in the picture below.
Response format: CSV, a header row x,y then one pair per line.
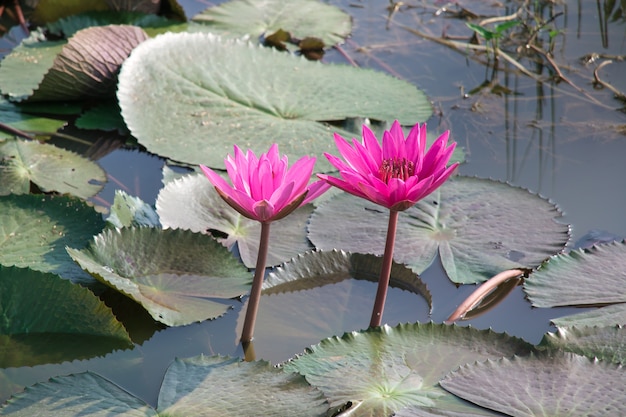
x,y
478,227
190,97
85,66
85,394
611,315
605,343
302,18
385,370
34,230
545,385
48,167
192,203
178,276
46,319
581,277
227,386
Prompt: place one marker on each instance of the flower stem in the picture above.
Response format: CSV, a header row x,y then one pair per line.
x,y
257,284
385,272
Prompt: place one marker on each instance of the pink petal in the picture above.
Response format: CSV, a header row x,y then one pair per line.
x,y
337,163
350,154
372,145
217,180
282,196
341,184
420,190
372,164
315,190
300,174
263,211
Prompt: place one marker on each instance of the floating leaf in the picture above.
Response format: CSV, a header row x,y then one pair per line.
x,y
479,228
85,394
128,211
385,370
314,269
581,277
227,386
199,386
178,276
192,203
86,66
34,230
190,97
48,167
46,319
545,385
303,18
611,315
605,343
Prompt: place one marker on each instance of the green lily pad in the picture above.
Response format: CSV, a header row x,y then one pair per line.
x,y
192,203
46,319
48,167
605,343
199,386
35,230
190,97
302,18
479,228
545,385
581,277
611,315
86,66
385,370
178,276
52,10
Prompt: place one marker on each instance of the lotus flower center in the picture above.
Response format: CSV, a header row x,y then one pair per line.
x,y
396,168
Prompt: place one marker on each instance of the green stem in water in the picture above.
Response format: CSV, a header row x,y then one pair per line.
x,y
257,284
385,272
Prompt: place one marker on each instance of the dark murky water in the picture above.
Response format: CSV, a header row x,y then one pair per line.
x,y
547,137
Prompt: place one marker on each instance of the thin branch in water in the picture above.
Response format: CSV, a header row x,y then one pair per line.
x,y
618,94
6,128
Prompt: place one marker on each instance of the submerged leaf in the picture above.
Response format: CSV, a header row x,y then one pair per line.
x,y
46,319
390,370
178,276
191,97
192,203
544,385
49,167
17,117
479,228
128,211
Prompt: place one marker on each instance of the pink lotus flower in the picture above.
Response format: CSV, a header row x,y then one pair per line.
x,y
265,188
396,175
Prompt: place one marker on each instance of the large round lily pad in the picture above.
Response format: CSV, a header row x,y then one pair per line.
x,y
191,97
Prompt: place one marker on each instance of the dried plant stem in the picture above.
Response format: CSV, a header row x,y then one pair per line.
x,y
618,94
385,272
480,293
257,285
8,129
